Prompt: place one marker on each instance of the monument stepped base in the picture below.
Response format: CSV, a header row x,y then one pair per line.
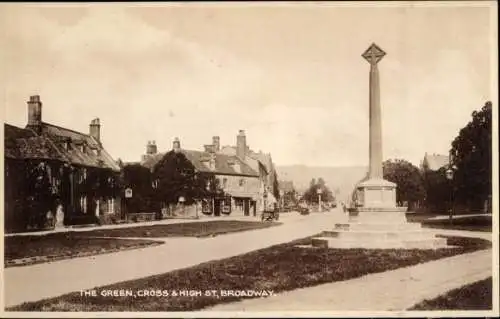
x,y
390,235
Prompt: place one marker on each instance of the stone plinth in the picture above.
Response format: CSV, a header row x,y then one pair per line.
x,y
379,236
376,193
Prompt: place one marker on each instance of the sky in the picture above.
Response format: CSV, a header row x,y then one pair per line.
x,y
290,75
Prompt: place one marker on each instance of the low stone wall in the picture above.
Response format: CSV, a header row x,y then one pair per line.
x,y
182,211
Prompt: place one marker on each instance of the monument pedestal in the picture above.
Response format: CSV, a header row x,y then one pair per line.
x,y
377,223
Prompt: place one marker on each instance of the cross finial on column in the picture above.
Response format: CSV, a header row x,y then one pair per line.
x,y
373,54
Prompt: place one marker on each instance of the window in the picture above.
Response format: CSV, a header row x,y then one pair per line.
x,y
111,205
83,204
241,182
224,182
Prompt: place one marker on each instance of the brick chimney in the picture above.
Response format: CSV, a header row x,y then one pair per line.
x,y
35,114
95,129
151,148
241,145
216,143
176,145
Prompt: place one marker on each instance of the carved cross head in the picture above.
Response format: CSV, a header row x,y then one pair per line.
x,y
373,54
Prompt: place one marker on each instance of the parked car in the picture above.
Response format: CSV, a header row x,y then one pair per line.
x,y
303,210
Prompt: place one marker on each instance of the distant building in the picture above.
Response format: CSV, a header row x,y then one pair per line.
x,y
261,162
76,164
240,182
286,186
433,162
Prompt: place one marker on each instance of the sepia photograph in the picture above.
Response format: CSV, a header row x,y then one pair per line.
x,y
249,159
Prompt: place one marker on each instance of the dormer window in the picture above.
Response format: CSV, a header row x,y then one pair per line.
x,y
67,144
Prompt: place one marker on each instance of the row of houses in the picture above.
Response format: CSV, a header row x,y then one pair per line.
x,y
73,175
247,178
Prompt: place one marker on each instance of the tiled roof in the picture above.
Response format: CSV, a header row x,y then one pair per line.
x,y
83,149
25,144
435,161
197,158
253,159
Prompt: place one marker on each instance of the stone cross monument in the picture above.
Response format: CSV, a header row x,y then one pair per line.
x,y
373,55
374,192
376,221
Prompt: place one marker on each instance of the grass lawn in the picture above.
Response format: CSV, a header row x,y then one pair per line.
x,y
476,296
44,248
192,229
279,268
476,223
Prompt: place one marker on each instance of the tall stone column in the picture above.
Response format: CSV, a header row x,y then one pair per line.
x,y
375,193
375,125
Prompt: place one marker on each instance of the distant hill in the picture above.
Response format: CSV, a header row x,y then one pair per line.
x,y
341,178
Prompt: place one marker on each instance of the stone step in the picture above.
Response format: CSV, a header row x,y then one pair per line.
x,y
378,226
424,243
376,235
377,217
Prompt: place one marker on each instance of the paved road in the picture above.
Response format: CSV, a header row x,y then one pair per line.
x,y
395,290
32,283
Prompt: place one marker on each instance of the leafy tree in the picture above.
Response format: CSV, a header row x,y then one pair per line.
x,y
437,187
140,180
175,176
38,194
311,195
471,153
409,181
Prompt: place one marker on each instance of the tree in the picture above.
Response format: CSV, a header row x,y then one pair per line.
x,y
471,153
38,194
311,195
437,189
176,177
409,181
140,180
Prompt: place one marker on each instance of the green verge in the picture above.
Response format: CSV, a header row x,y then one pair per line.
x,y
476,223
476,296
34,249
192,229
279,268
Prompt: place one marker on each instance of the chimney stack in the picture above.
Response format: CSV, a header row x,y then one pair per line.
x,y
241,145
216,143
35,113
95,129
176,145
151,148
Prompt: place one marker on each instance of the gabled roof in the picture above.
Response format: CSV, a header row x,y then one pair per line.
x,y
93,153
224,164
22,143
253,159
435,161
